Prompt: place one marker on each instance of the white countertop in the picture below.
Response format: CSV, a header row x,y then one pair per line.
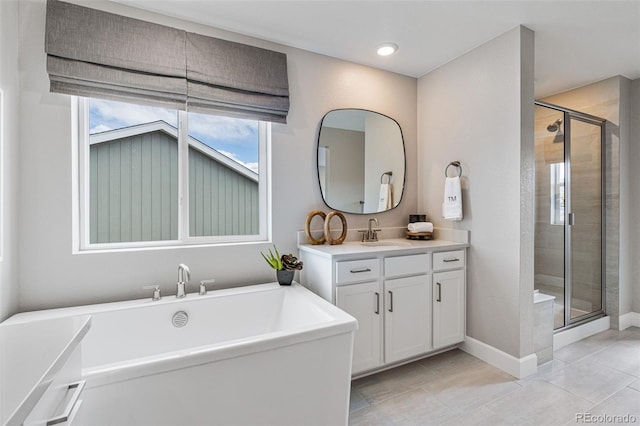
x,y
31,354
385,246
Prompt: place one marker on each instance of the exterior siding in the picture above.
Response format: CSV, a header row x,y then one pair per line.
x,y
134,189
221,201
134,192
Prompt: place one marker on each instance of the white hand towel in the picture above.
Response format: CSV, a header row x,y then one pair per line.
x,y
386,197
420,227
452,205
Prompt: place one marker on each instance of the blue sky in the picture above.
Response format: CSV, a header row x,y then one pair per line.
x,y
238,139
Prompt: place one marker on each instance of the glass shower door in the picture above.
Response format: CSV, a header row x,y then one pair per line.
x,y
569,227
584,218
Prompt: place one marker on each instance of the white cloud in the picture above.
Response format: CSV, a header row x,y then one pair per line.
x,y
201,126
234,157
218,127
99,129
121,114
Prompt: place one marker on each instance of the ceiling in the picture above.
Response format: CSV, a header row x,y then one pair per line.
x,y
577,42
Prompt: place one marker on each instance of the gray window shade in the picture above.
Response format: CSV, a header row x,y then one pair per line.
x,y
98,54
236,79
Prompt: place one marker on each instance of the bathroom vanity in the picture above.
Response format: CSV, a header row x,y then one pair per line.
x,y
408,296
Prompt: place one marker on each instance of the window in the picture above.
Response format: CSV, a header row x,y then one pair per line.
x,y
557,193
154,176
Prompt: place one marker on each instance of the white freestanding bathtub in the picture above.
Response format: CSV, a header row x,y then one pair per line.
x,y
262,354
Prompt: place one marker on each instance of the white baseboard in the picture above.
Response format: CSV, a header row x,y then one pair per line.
x,y
517,367
572,335
632,319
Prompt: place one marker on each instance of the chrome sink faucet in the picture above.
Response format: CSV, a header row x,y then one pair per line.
x,y
370,234
184,276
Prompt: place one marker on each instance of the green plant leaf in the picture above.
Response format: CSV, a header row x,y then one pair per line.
x,y
273,259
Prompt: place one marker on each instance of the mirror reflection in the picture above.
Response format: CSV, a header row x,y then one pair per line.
x,y
361,161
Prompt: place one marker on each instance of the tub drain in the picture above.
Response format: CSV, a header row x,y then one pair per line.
x,y
180,319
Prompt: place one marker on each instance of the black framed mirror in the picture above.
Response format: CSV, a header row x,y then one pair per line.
x,y
361,161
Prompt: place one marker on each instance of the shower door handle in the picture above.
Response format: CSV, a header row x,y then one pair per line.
x,y
571,220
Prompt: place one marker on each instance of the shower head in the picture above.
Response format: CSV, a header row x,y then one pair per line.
x,y
555,126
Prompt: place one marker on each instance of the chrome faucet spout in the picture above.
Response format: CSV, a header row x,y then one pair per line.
x,y
184,276
370,234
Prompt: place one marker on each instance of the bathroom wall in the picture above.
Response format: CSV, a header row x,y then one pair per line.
x,y
610,99
634,176
9,148
52,275
478,109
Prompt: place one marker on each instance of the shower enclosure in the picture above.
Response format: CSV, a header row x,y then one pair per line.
x,y
569,231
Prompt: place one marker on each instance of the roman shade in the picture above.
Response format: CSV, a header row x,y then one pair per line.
x,y
93,53
98,54
236,79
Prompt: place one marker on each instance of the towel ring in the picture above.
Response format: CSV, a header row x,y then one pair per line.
x,y
455,164
388,174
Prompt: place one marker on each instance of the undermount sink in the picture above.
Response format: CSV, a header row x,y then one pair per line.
x,y
386,244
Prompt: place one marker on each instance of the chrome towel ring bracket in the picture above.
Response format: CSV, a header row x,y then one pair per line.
x,y
388,175
454,164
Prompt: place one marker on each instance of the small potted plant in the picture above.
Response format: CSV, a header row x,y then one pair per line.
x,y
285,265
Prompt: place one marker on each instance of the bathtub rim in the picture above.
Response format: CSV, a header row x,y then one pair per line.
x,y
44,314
340,323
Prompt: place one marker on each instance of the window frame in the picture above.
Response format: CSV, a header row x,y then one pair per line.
x,y
81,172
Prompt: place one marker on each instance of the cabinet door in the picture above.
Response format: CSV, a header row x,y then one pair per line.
x,y
407,317
448,308
364,302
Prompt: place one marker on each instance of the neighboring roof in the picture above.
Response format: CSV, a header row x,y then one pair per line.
x,y
163,126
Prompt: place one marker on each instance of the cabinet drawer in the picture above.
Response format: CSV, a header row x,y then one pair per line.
x,y
448,260
413,264
352,271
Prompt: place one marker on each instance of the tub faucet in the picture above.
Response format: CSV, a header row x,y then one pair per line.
x,y
184,276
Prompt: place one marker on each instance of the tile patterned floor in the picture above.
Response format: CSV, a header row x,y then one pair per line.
x,y
598,376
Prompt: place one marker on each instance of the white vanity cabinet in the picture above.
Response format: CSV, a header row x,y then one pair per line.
x,y
406,329
403,313
407,306
363,302
448,298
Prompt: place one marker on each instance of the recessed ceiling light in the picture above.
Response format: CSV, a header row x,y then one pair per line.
x,y
386,49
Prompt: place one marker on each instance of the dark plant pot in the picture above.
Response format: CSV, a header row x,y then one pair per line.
x,y
285,277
